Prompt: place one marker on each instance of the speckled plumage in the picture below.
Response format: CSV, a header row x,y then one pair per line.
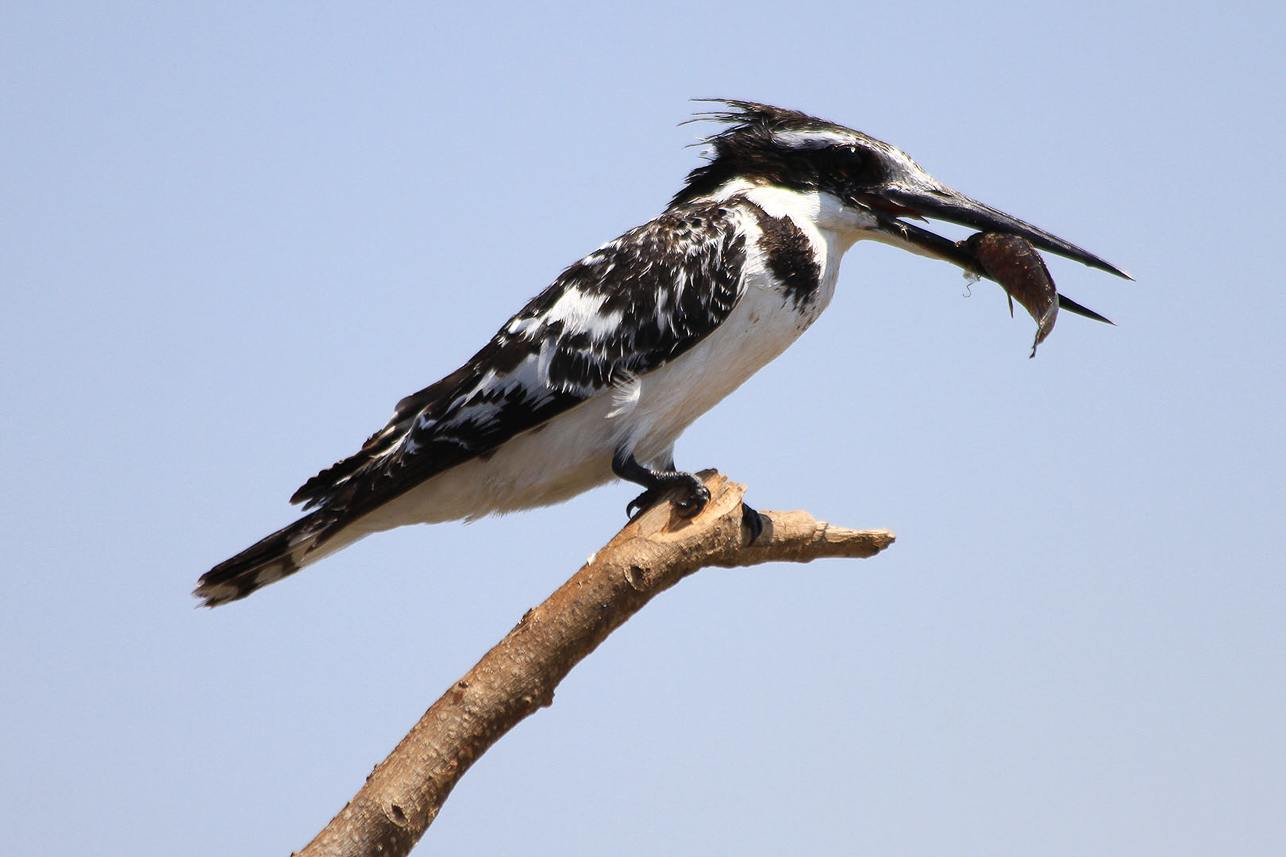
x,y
621,353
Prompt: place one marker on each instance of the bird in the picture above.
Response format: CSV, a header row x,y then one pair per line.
x,y
599,374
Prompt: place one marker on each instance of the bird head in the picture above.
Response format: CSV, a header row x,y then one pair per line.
x,y
874,189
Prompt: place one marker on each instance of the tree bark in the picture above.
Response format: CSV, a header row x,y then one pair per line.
x,y
653,552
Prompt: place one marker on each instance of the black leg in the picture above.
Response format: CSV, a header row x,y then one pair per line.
x,y
689,493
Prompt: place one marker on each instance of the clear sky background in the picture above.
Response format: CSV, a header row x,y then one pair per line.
x,y
232,236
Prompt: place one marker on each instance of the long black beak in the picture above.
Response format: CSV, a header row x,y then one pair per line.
x,y
892,203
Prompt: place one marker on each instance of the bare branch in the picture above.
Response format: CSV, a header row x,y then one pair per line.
x,y
404,793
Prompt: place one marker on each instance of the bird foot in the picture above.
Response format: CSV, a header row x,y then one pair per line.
x,y
688,493
686,490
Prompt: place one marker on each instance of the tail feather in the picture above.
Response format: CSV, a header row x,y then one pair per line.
x,y
266,561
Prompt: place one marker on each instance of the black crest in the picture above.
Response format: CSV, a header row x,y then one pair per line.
x,y
776,146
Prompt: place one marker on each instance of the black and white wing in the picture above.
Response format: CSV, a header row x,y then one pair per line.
x,y
626,309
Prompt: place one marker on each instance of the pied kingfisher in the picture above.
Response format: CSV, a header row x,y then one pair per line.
x,y
599,374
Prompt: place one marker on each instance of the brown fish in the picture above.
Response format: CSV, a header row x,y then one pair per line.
x,y
1013,262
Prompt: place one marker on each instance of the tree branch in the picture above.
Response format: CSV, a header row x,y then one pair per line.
x,y
404,793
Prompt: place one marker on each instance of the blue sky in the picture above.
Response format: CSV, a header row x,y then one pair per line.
x,y
234,235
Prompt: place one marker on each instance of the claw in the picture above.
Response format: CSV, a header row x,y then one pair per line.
x,y
698,495
695,502
689,493
643,501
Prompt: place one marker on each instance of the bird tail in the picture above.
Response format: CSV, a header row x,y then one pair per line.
x,y
268,560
